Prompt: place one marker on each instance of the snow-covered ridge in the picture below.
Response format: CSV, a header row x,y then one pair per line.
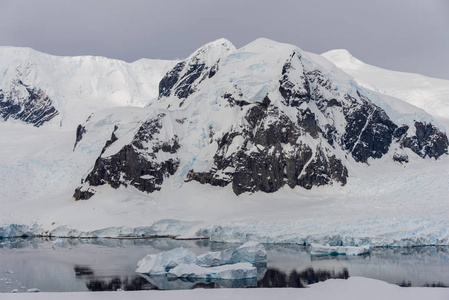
x,y
429,94
79,85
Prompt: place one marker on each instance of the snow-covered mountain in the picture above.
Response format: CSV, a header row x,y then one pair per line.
x,y
38,88
258,118
266,142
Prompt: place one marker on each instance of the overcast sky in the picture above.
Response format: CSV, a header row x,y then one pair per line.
x,y
403,35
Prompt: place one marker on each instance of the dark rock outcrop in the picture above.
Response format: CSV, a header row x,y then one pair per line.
x,y
80,131
270,156
144,163
428,140
27,104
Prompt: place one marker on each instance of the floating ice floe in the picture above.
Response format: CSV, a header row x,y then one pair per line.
x,y
227,264
338,250
161,263
231,271
252,252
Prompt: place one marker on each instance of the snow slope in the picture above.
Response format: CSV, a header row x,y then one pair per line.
x,y
81,85
353,288
430,94
383,202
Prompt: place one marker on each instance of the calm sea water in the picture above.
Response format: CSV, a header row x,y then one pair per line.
x,y
70,265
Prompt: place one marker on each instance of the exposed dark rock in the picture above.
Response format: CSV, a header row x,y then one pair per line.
x,y
262,163
233,102
294,94
138,163
112,139
170,79
400,157
83,193
80,131
185,85
214,69
27,104
369,131
427,141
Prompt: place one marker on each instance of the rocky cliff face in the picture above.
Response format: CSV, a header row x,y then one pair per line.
x,y
25,103
257,118
143,163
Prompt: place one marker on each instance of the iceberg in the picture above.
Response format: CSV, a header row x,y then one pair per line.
x,y
228,264
161,263
338,250
231,271
250,252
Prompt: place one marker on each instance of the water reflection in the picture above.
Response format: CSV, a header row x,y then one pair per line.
x,y
277,278
136,283
161,244
269,278
57,265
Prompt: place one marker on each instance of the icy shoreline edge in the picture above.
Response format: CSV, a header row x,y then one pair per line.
x,y
182,231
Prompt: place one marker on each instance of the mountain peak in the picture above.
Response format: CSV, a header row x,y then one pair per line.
x,y
213,51
341,57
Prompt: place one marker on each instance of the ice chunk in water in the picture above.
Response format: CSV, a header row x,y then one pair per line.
x,y
161,263
231,271
252,252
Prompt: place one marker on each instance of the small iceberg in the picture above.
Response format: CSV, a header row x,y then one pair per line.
x,y
230,264
252,252
161,263
232,271
317,249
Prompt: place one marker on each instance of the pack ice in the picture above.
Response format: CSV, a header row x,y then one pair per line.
x,y
227,264
317,249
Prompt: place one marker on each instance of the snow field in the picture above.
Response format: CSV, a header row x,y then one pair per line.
x,y
353,288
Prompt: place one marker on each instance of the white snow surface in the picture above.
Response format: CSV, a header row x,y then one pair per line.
x,y
383,203
354,288
317,249
83,84
430,94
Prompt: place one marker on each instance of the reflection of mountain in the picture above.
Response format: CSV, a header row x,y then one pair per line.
x,y
339,257
277,278
164,283
134,284
267,278
169,283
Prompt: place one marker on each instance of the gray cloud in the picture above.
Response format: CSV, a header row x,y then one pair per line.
x,y
403,35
